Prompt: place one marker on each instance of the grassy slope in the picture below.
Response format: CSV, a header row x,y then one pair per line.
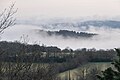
x,y
99,65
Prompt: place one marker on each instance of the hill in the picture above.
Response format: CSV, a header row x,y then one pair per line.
x,y
67,33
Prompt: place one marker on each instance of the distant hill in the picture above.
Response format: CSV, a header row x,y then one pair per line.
x,y
67,33
86,24
74,24
108,23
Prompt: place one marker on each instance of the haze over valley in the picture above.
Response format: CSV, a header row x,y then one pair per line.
x,y
99,34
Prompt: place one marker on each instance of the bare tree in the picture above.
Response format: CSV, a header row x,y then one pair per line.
x,y
6,18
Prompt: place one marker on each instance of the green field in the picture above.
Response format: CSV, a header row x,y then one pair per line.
x,y
73,73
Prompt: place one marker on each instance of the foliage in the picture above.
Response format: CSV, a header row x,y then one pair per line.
x,y
110,73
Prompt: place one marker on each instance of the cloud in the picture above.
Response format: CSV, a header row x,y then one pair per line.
x,y
66,8
108,38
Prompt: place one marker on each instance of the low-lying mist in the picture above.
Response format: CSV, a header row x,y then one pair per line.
x,y
107,38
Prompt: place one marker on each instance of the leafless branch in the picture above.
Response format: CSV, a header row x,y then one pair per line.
x,y
6,18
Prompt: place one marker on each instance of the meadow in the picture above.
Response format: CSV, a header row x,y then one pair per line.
x,y
84,70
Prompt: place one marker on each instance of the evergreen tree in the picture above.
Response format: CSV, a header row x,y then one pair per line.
x,y
110,73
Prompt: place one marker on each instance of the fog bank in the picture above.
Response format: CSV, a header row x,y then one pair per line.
x,y
108,38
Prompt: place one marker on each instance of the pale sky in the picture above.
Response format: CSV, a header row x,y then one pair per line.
x,y
64,8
